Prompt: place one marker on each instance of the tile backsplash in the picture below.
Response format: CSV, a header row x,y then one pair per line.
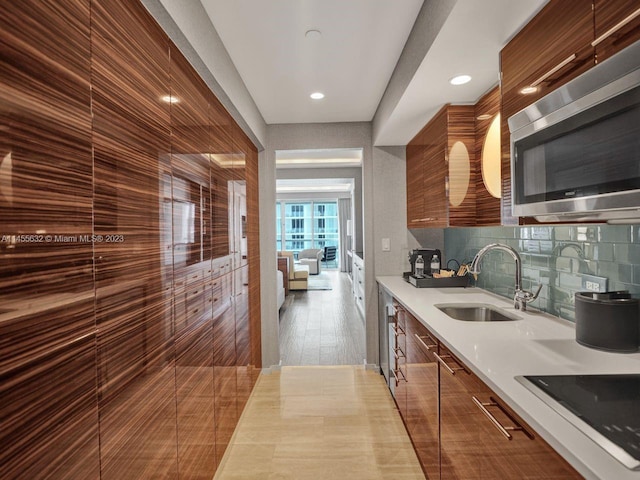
x,y
561,258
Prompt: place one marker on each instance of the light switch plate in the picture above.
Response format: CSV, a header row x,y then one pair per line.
x,y
386,245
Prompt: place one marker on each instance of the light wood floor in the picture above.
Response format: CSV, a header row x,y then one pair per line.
x,y
327,422
322,327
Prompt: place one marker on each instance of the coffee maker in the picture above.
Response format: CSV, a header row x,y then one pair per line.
x,y
426,253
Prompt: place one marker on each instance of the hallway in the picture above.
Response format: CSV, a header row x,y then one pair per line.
x,y
322,327
320,423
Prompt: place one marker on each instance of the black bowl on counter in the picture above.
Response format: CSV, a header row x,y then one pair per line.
x,y
608,321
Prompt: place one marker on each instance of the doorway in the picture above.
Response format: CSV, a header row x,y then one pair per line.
x,y
318,203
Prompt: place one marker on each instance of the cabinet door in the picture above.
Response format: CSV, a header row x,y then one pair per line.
x,y
460,442
436,209
554,47
617,25
415,182
422,395
460,188
487,158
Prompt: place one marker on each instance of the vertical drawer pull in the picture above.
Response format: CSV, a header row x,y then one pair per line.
x,y
615,28
428,347
398,330
501,428
441,361
395,375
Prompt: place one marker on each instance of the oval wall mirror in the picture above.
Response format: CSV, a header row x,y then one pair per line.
x,y
459,173
490,162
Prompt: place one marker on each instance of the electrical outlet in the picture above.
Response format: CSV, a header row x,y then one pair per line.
x,y
592,283
386,245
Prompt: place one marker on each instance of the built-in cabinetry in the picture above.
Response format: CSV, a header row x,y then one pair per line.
x,y
441,170
357,277
488,184
129,317
562,41
459,427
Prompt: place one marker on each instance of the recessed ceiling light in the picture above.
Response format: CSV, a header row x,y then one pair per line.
x,y
460,79
484,116
313,34
317,95
528,90
170,99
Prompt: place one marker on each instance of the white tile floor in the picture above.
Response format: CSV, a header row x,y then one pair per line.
x,y
326,422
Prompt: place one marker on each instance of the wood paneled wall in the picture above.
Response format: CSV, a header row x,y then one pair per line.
x,y
129,272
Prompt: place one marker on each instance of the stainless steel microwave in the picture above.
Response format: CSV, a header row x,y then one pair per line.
x,y
575,153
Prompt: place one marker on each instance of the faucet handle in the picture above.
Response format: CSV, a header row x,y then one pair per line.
x,y
522,297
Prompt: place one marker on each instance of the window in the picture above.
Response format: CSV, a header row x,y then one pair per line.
x,y
301,225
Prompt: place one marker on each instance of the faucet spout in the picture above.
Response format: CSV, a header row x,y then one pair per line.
x,y
521,297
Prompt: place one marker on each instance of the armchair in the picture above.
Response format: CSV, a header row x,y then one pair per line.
x,y
311,257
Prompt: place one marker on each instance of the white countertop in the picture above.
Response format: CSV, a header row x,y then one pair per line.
x,y
539,344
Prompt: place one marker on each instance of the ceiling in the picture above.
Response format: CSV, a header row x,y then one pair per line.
x,y
353,58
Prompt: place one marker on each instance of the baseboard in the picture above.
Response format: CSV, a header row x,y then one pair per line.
x,y
271,369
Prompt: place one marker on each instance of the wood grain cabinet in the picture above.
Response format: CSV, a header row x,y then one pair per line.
x,y
421,414
487,158
441,172
481,438
617,25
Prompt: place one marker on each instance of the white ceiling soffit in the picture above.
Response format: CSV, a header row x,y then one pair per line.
x,y
469,42
350,62
320,158
314,185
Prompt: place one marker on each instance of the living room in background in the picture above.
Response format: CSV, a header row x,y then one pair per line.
x,y
306,224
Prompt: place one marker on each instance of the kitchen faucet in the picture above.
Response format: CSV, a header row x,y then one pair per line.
x,y
521,297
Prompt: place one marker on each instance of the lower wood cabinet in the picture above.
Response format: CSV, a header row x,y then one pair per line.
x,y
422,395
459,427
480,437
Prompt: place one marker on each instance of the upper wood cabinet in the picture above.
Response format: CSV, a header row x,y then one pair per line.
x,y
488,160
617,25
549,51
441,171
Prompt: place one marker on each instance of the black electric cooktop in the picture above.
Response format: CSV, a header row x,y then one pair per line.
x,y
604,407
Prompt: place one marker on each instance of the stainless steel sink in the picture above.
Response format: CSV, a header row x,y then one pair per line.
x,y
476,312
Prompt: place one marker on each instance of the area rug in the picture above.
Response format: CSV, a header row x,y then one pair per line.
x,y
319,282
